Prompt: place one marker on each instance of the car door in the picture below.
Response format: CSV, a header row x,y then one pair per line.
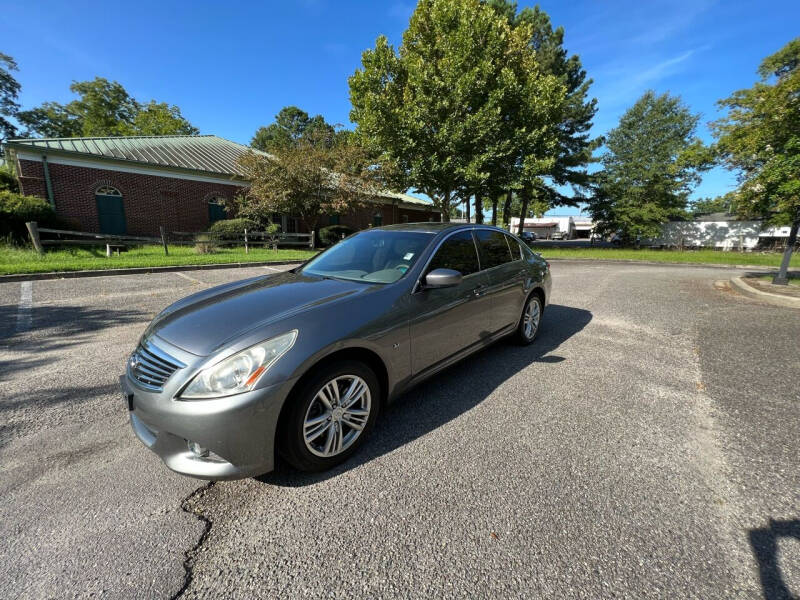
x,y
446,320
505,273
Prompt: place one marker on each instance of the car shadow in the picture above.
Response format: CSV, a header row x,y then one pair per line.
x,y
764,543
450,394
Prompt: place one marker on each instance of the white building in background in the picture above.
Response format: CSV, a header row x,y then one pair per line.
x,y
722,231
544,227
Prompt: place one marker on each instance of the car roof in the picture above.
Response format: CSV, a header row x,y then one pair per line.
x,y
434,227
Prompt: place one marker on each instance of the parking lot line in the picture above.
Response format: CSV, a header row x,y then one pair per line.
x,y
185,276
24,319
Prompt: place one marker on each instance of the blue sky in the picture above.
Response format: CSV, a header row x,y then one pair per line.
x,y
232,66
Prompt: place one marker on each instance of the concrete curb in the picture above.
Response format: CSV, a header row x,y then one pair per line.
x,y
139,271
777,299
655,263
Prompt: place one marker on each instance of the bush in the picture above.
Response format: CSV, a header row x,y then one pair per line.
x,y
328,236
204,243
234,227
7,179
16,210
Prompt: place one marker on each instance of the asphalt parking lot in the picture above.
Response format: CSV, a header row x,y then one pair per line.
x,y
646,445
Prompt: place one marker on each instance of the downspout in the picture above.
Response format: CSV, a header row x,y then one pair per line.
x,y
47,182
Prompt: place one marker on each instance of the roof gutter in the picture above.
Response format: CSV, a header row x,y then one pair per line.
x,y
48,184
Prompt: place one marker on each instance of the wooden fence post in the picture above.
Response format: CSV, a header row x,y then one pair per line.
x,y
313,235
246,249
164,239
33,230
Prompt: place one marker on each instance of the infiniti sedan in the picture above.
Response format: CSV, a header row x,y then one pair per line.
x,y
299,364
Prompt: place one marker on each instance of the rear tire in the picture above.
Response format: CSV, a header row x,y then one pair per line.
x,y
330,416
529,321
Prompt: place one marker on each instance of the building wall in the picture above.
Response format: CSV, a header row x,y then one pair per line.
x,y
149,200
726,235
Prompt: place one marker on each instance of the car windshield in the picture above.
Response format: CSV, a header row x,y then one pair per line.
x,y
376,256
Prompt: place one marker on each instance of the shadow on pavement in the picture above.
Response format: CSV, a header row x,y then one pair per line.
x,y
451,393
764,543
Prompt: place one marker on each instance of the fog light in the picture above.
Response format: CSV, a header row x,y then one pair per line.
x,y
197,449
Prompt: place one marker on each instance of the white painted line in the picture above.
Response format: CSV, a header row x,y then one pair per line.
x,y
272,269
24,317
185,276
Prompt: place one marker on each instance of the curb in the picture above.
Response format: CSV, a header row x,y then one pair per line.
x,y
776,299
139,270
655,263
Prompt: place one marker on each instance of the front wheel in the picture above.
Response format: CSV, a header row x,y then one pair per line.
x,y
330,417
529,322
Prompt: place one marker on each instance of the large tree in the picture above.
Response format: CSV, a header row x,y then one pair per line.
x,y
460,106
291,126
104,108
760,139
651,164
308,178
575,144
9,91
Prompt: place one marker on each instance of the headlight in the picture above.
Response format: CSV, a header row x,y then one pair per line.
x,y
240,372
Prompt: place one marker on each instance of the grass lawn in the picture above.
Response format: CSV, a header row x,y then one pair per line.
x,y
674,256
19,260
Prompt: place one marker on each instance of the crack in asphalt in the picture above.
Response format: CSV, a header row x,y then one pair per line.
x,y
191,553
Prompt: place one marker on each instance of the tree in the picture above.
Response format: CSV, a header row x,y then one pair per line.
x,y
308,178
651,163
9,91
705,206
760,139
460,106
104,108
575,145
291,126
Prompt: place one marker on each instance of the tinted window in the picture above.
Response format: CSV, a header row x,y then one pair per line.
x,y
515,247
494,249
458,253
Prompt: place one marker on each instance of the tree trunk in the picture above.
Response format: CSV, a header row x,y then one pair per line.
x,y
782,278
506,210
445,207
495,200
478,209
526,200
466,206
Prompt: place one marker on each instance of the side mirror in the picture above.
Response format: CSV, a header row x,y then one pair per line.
x,y
442,278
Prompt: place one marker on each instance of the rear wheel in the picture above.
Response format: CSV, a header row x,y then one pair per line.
x,y
330,417
529,322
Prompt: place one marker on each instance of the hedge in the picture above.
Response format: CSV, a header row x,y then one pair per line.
x,y
16,210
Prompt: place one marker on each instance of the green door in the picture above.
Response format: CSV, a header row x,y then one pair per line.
x,y
216,212
111,214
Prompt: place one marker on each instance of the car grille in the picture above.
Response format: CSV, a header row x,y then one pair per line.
x,y
152,367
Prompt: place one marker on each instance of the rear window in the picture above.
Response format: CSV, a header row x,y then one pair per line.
x,y
494,249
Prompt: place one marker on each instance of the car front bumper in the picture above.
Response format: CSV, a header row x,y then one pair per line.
x,y
238,431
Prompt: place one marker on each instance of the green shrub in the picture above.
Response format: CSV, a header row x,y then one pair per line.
x,y
234,227
328,236
7,179
204,243
16,209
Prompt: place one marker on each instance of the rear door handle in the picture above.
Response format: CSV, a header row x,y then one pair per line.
x,y
479,291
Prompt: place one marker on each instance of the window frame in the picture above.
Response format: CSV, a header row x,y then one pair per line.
x,y
478,246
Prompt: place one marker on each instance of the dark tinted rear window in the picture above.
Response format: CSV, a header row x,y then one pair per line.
x,y
494,249
457,252
515,247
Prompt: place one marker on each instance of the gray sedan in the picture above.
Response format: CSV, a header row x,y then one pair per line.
x,y
300,363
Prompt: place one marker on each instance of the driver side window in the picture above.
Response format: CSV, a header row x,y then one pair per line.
x,y
457,253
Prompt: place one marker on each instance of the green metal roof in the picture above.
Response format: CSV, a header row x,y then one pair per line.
x,y
209,154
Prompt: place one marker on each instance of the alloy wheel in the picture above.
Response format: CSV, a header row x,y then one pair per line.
x,y
530,319
337,415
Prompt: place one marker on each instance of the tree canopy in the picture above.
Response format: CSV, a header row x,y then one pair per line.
x,y
104,108
462,105
651,163
292,126
759,138
9,91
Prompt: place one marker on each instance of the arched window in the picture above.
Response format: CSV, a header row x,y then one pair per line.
x,y
107,190
110,210
216,209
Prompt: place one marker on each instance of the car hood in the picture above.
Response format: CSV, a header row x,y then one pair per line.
x,y
207,321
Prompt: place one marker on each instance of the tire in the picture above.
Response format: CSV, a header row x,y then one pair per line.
x,y
316,412
531,315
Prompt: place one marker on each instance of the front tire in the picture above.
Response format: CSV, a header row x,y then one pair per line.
x,y
529,321
330,416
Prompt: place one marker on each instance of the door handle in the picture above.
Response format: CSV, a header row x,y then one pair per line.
x,y
479,291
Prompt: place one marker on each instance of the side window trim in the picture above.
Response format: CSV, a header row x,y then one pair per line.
x,y
424,271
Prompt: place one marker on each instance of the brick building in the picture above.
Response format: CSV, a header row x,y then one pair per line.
x,y
134,185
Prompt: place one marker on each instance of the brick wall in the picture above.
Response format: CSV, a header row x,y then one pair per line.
x,y
149,200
